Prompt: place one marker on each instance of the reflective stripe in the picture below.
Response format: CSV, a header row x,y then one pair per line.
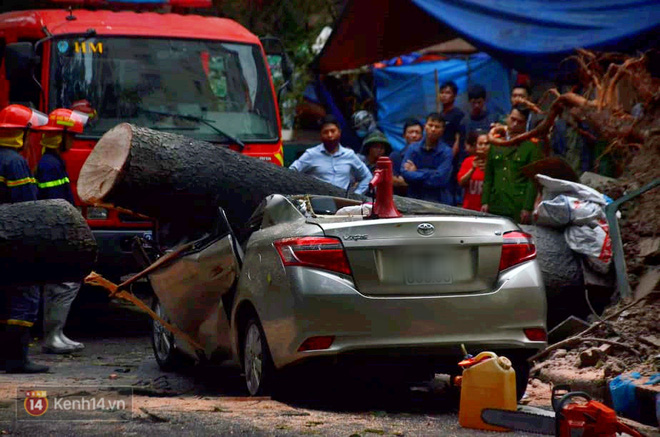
x,y
279,157
52,184
18,182
17,322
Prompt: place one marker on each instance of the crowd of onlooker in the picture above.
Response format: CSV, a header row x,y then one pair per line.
x,y
447,158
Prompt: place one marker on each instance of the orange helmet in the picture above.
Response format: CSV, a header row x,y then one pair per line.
x,y
61,119
21,117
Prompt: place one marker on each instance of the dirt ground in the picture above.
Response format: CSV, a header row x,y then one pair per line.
x,y
637,328
212,400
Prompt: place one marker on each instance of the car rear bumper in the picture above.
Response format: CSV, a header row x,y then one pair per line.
x,y
325,304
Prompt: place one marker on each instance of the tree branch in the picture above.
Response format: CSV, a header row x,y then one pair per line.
x,y
557,107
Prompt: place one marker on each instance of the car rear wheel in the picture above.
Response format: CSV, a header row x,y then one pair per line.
x,y
168,356
521,366
257,363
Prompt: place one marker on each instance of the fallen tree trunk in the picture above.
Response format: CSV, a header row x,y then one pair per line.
x,y
560,266
174,178
562,273
46,241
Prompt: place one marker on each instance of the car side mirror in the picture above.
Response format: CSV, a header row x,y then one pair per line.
x,y
20,59
273,46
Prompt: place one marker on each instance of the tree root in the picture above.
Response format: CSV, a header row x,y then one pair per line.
x,y
599,105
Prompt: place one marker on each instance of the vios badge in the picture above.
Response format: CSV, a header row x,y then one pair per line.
x,y
425,229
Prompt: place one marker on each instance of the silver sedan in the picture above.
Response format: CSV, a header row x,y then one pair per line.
x,y
313,281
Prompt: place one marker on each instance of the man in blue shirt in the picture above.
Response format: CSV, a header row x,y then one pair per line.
x,y
412,133
479,118
333,163
427,165
453,116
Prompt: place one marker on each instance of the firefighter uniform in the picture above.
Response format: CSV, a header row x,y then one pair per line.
x,y
16,181
506,190
20,303
53,183
52,178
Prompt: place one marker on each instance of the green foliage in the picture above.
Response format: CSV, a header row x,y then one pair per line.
x,y
296,23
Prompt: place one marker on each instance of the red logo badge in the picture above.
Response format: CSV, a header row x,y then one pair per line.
x,y
36,402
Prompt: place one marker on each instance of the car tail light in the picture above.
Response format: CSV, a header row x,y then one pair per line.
x,y
536,334
316,343
517,247
319,252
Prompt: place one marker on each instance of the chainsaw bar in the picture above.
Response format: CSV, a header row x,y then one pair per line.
x,y
520,421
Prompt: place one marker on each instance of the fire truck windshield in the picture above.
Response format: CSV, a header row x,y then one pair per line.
x,y
147,81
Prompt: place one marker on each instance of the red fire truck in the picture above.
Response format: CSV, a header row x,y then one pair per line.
x,y
199,76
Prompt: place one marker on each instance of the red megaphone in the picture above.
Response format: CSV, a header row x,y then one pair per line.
x,y
382,183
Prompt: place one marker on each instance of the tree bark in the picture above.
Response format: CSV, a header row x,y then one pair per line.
x,y
559,265
46,241
173,178
562,273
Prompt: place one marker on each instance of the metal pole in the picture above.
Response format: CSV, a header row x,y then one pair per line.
x,y
622,285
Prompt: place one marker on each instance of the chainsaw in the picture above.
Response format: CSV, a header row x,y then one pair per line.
x,y
571,417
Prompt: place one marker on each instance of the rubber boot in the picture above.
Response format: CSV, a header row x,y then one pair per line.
x,y
57,303
79,346
18,342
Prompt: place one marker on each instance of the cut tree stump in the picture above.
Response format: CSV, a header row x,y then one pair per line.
x,y
46,241
173,178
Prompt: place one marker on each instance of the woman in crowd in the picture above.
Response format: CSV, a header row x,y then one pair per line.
x,y
471,174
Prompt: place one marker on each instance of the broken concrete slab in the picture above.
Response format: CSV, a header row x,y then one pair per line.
x,y
648,283
593,382
596,181
568,328
650,340
649,246
607,348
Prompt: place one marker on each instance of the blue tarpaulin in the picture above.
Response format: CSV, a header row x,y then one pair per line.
x,y
529,35
409,91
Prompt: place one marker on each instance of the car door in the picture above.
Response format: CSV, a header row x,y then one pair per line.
x,y
195,287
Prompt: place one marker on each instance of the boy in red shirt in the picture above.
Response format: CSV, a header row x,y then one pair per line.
x,y
471,174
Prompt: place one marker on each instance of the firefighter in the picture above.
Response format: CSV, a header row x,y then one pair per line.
x,y
53,183
20,303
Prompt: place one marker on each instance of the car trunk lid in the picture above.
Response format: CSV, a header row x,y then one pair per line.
x,y
421,255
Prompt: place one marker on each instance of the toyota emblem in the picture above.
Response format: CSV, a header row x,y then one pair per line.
x,y
425,229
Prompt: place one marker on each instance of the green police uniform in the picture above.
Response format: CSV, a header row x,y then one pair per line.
x,y
506,190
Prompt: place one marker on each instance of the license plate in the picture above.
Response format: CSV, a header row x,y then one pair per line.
x,y
427,271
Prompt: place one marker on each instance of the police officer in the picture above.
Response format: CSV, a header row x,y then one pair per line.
x,y
20,304
53,183
506,190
